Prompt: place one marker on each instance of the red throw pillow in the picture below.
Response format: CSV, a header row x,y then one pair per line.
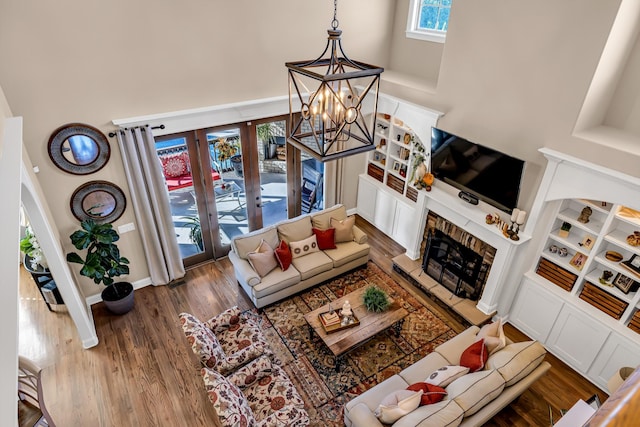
x,y
283,255
325,238
475,356
430,393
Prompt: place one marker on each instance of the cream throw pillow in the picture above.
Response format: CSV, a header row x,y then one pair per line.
x,y
344,229
263,259
397,404
493,335
304,247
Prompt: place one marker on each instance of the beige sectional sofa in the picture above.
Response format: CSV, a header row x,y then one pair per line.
x,y
472,399
305,271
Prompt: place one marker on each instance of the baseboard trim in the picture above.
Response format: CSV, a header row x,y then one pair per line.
x,y
94,299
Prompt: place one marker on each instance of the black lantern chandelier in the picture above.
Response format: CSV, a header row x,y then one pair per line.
x,y
330,93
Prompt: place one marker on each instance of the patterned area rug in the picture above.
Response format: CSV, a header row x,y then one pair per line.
x,y
310,364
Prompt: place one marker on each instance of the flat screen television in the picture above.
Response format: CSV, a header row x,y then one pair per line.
x,y
490,175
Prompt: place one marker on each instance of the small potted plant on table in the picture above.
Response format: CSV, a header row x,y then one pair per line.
x,y
102,263
375,299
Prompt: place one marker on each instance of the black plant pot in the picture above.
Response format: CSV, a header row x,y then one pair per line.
x,y
118,297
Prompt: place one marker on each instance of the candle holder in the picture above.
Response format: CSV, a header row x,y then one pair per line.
x,y
516,224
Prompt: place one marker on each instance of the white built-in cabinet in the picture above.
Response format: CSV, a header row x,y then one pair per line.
x,y
391,215
563,301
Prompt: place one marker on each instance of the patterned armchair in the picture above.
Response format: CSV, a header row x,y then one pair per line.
x,y
258,394
225,342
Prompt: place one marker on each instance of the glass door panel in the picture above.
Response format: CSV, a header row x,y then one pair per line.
x,y
224,151
271,141
188,207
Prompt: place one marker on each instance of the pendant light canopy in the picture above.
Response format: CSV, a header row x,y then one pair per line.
x,y
329,92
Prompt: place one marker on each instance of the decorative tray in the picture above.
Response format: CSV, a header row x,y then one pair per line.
x,y
326,319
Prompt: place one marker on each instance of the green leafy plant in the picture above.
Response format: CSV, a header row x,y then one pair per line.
x,y
565,226
195,232
103,261
265,132
30,246
375,299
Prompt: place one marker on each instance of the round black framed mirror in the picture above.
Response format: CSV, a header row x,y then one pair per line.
x,y
100,201
79,149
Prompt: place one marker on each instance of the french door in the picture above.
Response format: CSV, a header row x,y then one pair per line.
x,y
223,182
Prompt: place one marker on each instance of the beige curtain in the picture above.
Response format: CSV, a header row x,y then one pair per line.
x,y
150,200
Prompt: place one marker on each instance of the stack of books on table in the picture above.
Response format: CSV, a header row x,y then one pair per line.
x,y
330,318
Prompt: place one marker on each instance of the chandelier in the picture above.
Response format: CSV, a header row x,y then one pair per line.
x,y
330,92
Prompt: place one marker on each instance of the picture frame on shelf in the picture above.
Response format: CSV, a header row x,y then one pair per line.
x,y
632,264
587,241
377,156
624,283
578,260
396,166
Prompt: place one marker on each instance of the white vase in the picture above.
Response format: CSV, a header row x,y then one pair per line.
x,y
421,169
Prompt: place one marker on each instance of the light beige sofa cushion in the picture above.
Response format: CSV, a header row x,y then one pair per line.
x,y
322,219
312,264
473,391
295,230
442,414
275,281
517,360
250,241
346,252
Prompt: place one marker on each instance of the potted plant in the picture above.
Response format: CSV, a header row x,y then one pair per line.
x,y
266,134
195,232
375,299
564,230
102,263
31,248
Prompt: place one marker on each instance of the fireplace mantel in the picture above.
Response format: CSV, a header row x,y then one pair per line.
x,y
444,201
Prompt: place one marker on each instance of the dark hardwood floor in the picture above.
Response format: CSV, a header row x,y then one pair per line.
x,y
143,373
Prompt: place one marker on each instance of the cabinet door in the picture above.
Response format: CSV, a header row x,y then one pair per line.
x,y
367,193
535,310
385,211
618,352
405,229
576,338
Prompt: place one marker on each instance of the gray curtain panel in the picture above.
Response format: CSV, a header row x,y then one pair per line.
x,y
150,200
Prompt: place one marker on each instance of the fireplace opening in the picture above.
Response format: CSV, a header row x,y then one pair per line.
x,y
456,267
455,258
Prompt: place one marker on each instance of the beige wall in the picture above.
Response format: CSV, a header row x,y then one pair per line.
x,y
94,61
512,75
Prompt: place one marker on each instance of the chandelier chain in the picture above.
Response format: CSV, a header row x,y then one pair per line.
x,y
335,21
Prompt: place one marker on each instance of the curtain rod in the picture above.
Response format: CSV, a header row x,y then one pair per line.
x,y
112,134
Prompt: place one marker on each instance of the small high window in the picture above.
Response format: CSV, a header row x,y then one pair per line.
x,y
428,20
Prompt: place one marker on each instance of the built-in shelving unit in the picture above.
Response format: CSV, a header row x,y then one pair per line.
x,y
588,319
585,260
390,162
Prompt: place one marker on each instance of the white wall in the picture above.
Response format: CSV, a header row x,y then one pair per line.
x,y
10,155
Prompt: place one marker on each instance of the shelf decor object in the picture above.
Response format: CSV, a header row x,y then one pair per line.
x,y
331,123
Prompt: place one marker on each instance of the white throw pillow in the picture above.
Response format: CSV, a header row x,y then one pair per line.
x,y
304,247
397,404
444,376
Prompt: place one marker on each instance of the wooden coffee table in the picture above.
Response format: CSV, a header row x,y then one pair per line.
x,y
342,341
